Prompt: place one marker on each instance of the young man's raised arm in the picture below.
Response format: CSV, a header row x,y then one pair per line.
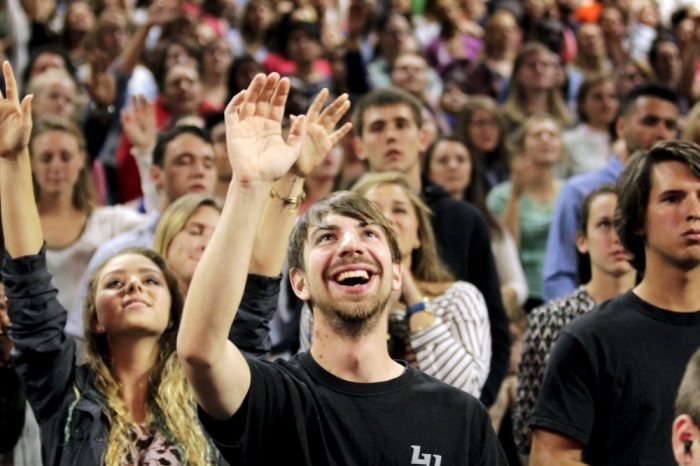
x,y
259,157
261,161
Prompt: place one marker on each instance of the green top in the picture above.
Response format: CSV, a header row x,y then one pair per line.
x,y
535,219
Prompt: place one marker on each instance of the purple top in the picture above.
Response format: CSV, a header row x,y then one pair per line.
x,y
441,59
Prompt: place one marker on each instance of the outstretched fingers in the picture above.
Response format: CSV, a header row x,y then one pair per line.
x,y
334,112
233,107
263,104
317,105
10,83
279,100
297,133
340,134
251,97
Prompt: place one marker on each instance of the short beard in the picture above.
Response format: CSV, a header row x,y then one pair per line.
x,y
358,323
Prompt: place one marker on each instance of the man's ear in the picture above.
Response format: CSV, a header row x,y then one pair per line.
x,y
298,280
581,245
684,430
397,272
620,127
359,148
156,174
423,139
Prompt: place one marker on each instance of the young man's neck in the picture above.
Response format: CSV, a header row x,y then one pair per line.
x,y
603,286
363,360
670,287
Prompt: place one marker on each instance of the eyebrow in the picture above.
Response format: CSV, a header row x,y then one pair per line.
x,y
141,270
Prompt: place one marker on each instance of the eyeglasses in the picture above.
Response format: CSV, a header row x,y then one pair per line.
x,y
484,123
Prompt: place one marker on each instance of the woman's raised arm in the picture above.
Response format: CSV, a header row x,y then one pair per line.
x,y
20,217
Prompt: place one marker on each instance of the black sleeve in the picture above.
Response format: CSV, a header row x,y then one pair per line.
x,y
44,356
12,408
484,276
250,331
566,402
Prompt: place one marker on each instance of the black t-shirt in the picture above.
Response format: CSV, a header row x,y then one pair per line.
x,y
298,413
612,379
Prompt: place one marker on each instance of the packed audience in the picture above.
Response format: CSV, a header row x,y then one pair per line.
x,y
350,232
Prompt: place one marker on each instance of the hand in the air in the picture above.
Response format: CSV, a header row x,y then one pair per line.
x,y
15,118
139,123
256,149
320,137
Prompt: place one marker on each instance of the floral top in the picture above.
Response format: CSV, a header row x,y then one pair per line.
x,y
152,449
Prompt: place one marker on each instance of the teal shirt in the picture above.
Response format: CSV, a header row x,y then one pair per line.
x,y
535,219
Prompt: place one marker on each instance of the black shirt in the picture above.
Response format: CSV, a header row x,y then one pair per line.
x,y
298,413
612,379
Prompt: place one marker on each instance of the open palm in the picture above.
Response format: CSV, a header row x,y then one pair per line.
x,y
320,137
256,149
15,118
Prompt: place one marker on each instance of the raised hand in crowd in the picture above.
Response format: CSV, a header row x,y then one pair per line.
x,y
101,83
320,135
139,123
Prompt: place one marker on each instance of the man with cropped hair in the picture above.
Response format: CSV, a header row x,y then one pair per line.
x,y
607,390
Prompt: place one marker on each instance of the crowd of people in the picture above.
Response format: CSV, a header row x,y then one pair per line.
x,y
350,232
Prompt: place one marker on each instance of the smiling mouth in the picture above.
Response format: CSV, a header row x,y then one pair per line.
x,y
353,278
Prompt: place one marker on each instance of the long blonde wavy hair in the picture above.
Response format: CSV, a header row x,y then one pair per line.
x,y
170,401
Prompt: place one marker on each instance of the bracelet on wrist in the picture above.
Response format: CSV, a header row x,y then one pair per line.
x,y
293,202
419,307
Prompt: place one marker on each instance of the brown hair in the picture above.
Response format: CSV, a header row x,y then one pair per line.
x,y
514,106
384,98
83,191
586,86
425,262
346,204
529,123
634,187
584,260
501,155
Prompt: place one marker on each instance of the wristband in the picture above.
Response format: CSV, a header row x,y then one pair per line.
x,y
420,307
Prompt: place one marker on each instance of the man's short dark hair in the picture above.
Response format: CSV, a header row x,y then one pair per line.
x,y
384,98
656,90
346,204
167,136
634,188
212,119
688,400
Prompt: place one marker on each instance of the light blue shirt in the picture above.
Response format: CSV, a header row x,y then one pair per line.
x,y
560,270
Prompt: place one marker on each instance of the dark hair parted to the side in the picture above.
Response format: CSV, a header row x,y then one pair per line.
x,y
346,204
634,188
384,98
648,90
167,136
583,261
688,400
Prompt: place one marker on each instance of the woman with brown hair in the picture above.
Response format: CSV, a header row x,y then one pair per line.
x,y
484,130
533,88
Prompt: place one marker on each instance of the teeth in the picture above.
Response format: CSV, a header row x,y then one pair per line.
x,y
353,274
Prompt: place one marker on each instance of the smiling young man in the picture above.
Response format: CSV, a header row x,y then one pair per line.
x,y
388,125
345,402
608,391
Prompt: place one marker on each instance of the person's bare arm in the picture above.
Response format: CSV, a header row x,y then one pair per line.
x,y
215,368
20,217
159,13
270,248
550,448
